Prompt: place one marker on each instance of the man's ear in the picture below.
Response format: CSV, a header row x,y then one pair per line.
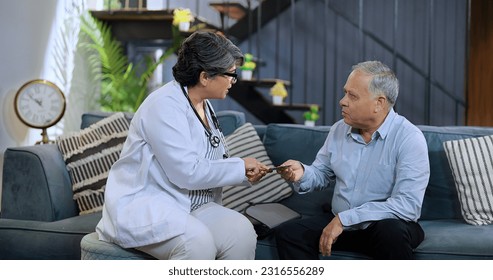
x,y
204,78
382,103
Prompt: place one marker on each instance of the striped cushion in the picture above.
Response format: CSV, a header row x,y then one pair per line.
x,y
89,155
245,142
471,161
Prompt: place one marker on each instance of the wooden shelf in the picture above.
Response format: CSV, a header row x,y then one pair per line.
x,y
134,15
233,10
129,25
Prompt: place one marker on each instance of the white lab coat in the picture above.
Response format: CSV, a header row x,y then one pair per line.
x,y
147,191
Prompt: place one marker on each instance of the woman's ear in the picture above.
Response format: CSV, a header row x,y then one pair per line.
x,y
204,78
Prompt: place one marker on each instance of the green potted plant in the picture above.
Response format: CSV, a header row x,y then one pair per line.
x,y
122,87
311,116
278,92
248,67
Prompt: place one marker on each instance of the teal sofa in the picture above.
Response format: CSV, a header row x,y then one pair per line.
x,y
39,219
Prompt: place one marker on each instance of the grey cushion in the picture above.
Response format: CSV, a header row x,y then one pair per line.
x,y
244,142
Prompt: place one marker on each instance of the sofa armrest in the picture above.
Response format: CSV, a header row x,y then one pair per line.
x,y
36,184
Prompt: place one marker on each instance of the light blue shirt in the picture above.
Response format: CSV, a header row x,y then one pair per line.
x,y
385,178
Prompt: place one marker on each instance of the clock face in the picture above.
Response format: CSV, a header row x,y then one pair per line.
x,y
39,104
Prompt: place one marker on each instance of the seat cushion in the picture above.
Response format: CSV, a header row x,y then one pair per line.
x,y
455,239
94,249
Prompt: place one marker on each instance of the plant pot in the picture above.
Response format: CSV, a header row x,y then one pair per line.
x,y
277,100
184,26
246,74
309,123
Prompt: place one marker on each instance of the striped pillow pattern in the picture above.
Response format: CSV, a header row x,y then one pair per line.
x,y
245,142
471,161
89,155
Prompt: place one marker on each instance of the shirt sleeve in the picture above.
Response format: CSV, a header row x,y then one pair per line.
x,y
318,175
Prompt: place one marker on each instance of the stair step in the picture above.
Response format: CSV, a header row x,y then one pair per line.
x,y
264,82
233,10
295,106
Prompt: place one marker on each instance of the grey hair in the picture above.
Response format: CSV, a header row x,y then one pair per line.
x,y
205,51
383,80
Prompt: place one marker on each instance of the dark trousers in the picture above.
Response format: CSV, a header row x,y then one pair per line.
x,y
386,239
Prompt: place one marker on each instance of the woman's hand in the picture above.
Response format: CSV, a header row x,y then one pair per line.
x,y
294,172
254,169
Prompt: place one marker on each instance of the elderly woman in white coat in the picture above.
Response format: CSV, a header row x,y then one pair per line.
x,y
163,195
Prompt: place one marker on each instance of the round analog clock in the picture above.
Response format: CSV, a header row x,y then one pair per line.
x,y
39,104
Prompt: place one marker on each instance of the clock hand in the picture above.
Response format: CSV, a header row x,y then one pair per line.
x,y
34,99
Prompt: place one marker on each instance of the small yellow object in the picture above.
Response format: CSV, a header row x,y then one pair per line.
x,y
182,15
279,89
249,64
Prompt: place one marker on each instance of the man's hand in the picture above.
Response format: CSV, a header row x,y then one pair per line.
x,y
294,172
329,236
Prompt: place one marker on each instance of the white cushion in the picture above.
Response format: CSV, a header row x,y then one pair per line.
x,y
471,161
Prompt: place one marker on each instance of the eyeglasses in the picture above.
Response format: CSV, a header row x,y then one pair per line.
x,y
234,76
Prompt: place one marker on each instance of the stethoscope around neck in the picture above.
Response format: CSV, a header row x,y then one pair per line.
x,y
214,140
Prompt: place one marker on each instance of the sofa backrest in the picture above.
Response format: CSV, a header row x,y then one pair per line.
x,y
228,120
293,141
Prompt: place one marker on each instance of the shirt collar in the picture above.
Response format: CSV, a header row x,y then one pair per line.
x,y
382,131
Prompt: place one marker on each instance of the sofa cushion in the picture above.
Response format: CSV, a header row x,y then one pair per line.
x,y
455,239
294,141
89,155
441,198
244,142
471,161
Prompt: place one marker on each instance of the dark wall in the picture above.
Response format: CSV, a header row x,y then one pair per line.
x,y
424,41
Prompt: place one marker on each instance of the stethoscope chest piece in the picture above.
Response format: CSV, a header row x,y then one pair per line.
x,y
214,140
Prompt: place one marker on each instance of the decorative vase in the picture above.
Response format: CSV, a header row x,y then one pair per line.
x,y
277,100
246,74
309,123
184,26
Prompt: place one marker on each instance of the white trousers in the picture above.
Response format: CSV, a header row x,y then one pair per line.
x,y
213,232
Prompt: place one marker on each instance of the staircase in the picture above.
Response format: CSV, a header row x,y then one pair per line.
x,y
141,24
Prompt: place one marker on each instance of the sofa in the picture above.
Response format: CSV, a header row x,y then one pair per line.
x,y
40,220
